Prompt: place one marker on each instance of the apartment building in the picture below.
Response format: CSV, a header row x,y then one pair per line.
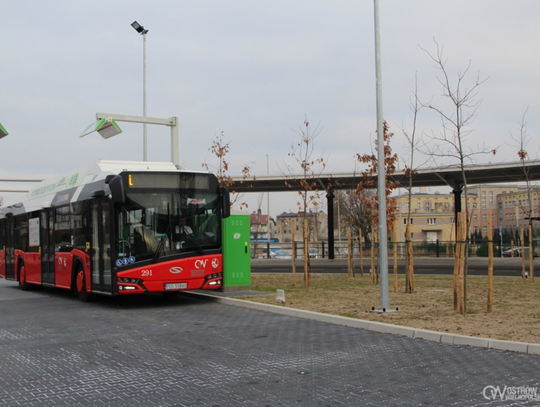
x,y
433,217
289,224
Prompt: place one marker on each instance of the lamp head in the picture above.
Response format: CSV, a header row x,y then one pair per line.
x,y
139,28
3,131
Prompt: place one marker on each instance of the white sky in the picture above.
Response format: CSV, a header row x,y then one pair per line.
x,y
254,70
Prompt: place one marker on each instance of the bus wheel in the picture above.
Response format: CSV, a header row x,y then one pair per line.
x,y
22,278
80,285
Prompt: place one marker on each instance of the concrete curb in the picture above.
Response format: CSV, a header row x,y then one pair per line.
x,y
416,333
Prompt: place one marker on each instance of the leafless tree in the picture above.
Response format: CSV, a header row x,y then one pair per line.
x,y
529,210
452,140
220,149
411,170
356,211
311,167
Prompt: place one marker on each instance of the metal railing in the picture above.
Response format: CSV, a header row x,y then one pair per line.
x,y
477,248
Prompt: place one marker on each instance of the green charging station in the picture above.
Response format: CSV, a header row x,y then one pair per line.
x,y
236,252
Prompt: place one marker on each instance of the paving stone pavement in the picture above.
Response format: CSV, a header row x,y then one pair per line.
x,y
153,351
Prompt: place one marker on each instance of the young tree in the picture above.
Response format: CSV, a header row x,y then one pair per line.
x,y
529,211
367,182
220,149
451,142
372,161
302,154
411,172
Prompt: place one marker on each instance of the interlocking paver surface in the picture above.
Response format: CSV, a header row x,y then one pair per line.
x,y
151,351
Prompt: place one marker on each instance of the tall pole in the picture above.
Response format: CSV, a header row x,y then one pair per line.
x,y
141,30
145,145
381,175
268,206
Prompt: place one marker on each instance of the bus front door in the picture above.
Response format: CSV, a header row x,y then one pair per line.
x,y
101,247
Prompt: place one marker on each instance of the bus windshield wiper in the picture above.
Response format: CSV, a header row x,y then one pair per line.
x,y
159,248
197,245
162,243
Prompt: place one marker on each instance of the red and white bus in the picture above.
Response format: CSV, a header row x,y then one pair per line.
x,y
117,228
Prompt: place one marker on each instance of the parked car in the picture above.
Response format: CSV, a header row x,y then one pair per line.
x,y
282,254
512,253
517,252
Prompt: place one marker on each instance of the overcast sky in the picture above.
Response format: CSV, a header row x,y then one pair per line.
x,y
254,69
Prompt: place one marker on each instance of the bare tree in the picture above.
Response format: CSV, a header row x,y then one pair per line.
x,y
410,172
356,210
452,141
302,153
529,210
220,149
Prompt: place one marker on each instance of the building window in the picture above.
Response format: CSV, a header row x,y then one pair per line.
x,y
405,221
484,217
432,221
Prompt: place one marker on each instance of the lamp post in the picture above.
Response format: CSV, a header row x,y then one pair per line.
x,y
268,208
141,30
381,171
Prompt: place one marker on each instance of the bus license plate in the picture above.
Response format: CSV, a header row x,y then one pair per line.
x,y
176,286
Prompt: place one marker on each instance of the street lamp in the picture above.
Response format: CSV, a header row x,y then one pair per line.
x,y
141,30
3,131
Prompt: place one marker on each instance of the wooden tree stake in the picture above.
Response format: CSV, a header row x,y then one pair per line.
x,y
293,253
531,255
350,268
360,249
522,255
395,262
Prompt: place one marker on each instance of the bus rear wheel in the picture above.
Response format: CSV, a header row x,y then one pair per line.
x,y
22,278
80,285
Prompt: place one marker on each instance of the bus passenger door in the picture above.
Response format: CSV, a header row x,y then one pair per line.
x,y
47,246
7,244
101,248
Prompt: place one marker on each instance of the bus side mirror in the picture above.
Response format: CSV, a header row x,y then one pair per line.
x,y
116,185
225,202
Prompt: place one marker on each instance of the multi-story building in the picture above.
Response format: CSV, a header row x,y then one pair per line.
x,y
291,223
514,208
433,215
262,227
485,202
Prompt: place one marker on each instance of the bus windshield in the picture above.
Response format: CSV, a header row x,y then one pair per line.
x,y
156,223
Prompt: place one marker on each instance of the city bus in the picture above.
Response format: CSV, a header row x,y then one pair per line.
x,y
117,228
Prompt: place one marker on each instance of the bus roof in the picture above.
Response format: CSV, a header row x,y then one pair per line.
x,y
76,185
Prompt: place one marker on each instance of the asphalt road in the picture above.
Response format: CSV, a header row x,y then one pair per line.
x,y
477,266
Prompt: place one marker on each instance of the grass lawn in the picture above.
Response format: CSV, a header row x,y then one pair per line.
x,y
515,316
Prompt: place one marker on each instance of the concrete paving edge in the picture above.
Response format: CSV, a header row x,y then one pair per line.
x,y
522,347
